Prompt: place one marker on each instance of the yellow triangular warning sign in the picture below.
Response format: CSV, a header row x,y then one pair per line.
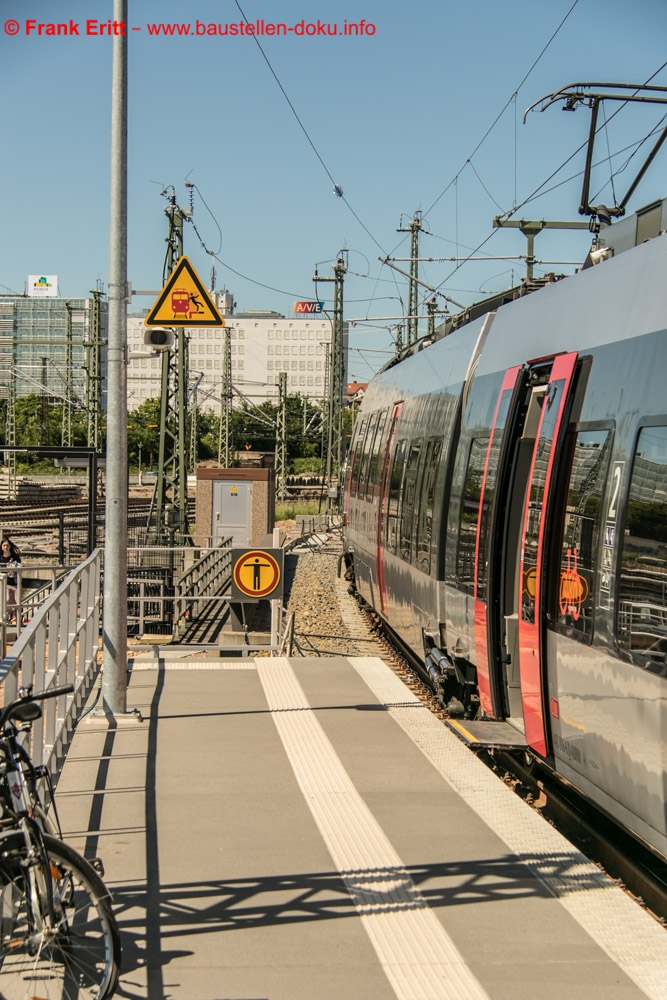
x,y
184,301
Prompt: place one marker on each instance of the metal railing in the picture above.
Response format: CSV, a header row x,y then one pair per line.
x,y
206,580
20,601
165,582
59,646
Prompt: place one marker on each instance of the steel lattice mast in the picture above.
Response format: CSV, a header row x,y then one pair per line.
x,y
225,434
336,395
172,482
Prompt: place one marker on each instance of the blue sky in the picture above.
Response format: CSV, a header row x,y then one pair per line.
x,y
395,116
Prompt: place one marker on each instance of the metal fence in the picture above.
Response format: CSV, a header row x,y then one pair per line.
x,y
59,646
163,583
208,579
23,590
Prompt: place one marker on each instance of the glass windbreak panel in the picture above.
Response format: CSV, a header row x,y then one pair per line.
x,y
551,409
465,563
642,590
489,491
372,483
408,500
425,518
395,484
356,457
366,454
581,535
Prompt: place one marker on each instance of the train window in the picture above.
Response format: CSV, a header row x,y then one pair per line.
x,y
425,516
355,462
581,535
408,500
372,483
551,408
395,483
489,490
642,589
366,454
465,562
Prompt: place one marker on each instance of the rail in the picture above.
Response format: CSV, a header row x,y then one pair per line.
x,y
59,646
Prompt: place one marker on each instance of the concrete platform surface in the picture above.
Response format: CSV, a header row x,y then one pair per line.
x,y
306,830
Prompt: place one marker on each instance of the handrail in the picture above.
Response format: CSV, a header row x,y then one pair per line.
x,y
59,646
205,580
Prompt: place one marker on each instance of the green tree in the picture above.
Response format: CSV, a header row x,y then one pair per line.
x,y
143,433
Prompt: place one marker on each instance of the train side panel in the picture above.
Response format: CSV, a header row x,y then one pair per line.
x,y
513,522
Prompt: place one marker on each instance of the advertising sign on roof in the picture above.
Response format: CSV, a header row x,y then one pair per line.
x,y
308,308
43,286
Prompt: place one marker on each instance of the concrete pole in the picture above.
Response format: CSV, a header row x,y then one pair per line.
x,y
114,619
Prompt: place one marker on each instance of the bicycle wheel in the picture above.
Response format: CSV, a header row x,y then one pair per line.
x,y
72,953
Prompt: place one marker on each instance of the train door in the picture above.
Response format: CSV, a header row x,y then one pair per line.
x,y
509,598
380,541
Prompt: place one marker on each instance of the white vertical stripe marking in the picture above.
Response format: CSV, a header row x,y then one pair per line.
x,y
629,935
405,933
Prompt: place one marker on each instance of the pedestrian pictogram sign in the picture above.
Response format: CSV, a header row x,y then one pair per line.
x,y
257,574
184,301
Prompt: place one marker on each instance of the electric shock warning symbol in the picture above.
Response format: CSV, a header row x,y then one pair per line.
x,y
256,574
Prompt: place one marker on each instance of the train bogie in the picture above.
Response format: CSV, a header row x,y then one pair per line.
x,y
507,516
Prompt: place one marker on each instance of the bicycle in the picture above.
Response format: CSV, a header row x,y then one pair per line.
x,y
58,935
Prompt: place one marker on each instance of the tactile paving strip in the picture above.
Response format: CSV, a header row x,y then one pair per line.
x,y
418,957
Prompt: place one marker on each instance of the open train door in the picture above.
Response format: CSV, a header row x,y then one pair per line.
x,y
522,596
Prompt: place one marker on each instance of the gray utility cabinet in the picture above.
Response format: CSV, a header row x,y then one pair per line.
x,y
231,512
235,503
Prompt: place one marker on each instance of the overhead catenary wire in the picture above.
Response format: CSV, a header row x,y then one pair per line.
x,y
502,111
336,187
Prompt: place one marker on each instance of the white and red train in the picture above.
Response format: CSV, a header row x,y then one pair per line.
x,y
506,515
